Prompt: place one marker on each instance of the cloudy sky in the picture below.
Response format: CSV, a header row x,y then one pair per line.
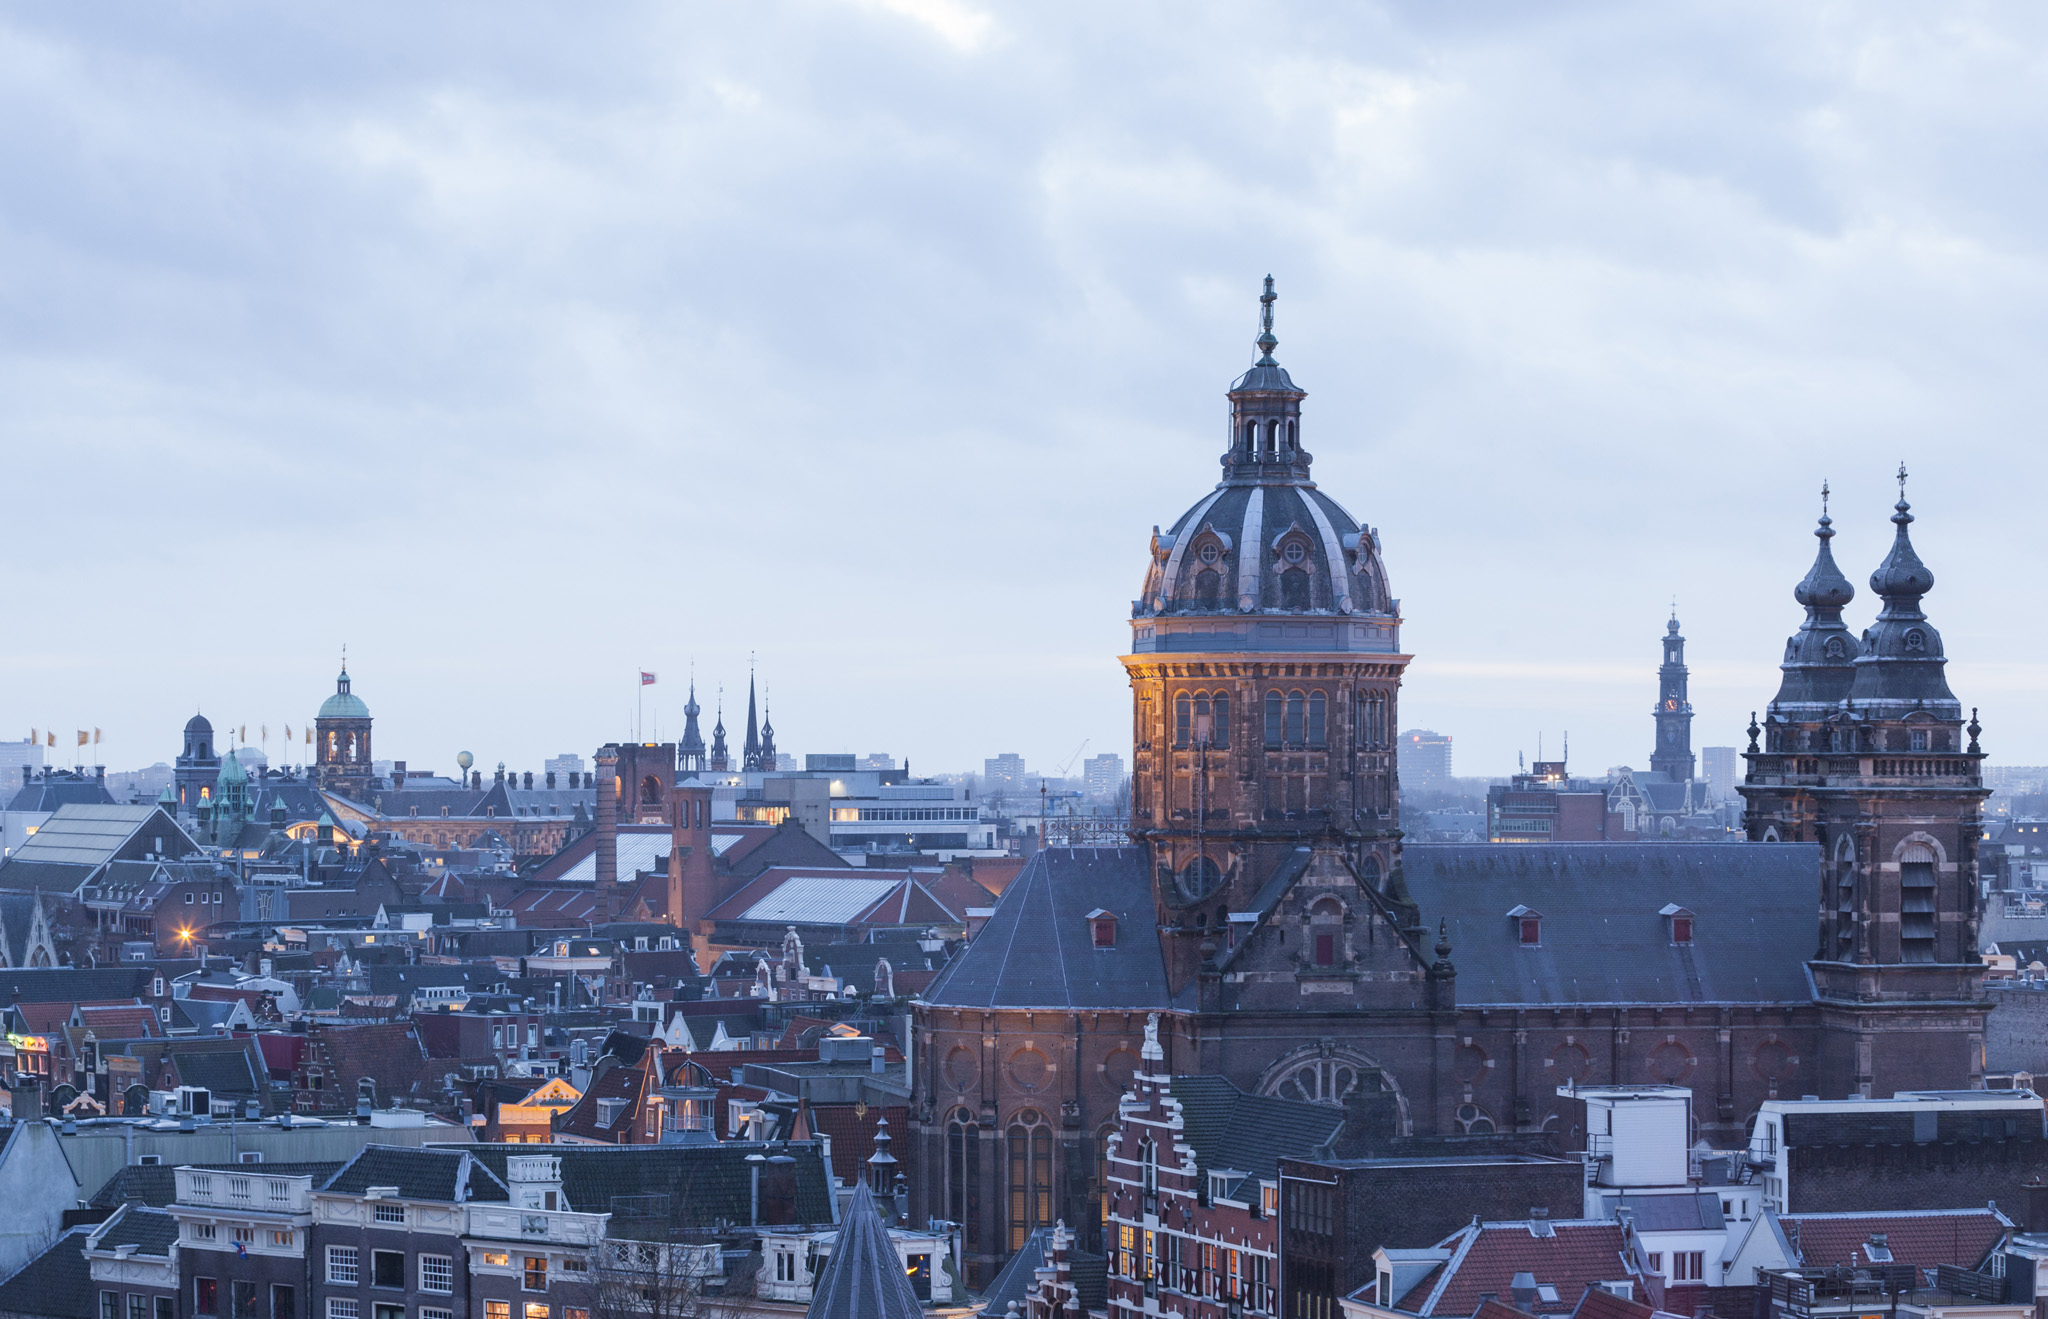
x,y
518,347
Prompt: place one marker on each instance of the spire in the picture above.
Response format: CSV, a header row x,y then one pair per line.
x,y
864,1276
1902,659
1266,342
1819,658
752,750
692,749
721,760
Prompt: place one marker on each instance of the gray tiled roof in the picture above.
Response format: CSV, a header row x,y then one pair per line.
x,y
1247,1133
56,1284
150,1231
1037,949
1016,1276
691,1186
1603,940
451,1176
864,1279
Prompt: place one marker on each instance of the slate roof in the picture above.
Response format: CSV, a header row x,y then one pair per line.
x,y
49,794
67,984
1016,1276
1924,1239
864,1278
57,1283
1037,949
1695,1211
695,1186
429,1173
1249,1133
150,1231
1602,938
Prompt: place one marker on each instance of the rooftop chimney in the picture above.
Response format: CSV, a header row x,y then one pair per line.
x,y
1524,1288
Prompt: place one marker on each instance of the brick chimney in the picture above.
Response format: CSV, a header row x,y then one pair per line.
x,y
607,822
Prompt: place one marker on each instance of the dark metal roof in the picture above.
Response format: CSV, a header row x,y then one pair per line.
x,y
1037,949
1602,937
864,1279
156,1186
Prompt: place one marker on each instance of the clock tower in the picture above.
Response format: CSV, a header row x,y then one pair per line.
x,y
1673,752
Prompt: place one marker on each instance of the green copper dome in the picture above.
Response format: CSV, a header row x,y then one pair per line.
x,y
343,704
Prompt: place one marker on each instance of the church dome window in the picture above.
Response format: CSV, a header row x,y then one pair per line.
x,y
1294,551
1916,639
1209,552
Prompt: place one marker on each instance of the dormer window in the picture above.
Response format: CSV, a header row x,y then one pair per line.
x,y
1528,925
1680,921
1102,928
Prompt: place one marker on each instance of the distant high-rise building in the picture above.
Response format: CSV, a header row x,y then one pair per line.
x,y
878,760
1003,774
1104,775
14,757
1718,764
1424,760
785,763
563,766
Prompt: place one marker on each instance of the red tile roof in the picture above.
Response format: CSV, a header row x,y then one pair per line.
x,y
1923,1239
1597,1304
1574,1255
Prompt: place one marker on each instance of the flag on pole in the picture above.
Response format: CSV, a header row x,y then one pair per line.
x,y
50,738
242,733
266,734
81,737
646,678
35,737
95,737
309,737
287,734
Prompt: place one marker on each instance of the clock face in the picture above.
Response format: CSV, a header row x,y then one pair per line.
x,y
1671,704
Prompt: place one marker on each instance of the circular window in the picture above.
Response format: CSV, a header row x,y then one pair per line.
x,y
1916,640
1029,1069
1209,553
1295,552
960,1069
1836,649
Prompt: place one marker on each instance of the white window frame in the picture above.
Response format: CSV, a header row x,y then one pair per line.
x,y
344,1266
344,1307
437,1274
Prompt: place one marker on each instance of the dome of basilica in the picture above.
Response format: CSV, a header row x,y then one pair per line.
x,y
1266,545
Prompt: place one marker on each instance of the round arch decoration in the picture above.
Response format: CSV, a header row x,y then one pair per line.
x,y
1334,1075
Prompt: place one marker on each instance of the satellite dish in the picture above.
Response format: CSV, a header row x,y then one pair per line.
x,y
464,759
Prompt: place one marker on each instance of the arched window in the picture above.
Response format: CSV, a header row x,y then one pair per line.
x,y
1318,719
1183,710
1273,439
1916,903
1326,931
1292,439
650,791
1148,1164
1030,1186
1296,710
1251,440
1274,704
963,1173
1212,718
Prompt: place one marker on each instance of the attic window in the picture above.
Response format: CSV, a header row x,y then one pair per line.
x,y
1529,924
1102,928
1681,922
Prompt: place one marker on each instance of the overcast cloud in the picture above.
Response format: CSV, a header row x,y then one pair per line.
x,y
522,346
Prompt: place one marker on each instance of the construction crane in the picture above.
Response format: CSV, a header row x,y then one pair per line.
x,y
1076,756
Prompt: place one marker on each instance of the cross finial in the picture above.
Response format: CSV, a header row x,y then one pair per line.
x,y
1902,480
1266,342
1823,497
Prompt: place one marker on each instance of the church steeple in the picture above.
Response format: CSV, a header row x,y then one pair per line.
x,y
721,760
1820,657
1901,667
690,755
750,754
1673,753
